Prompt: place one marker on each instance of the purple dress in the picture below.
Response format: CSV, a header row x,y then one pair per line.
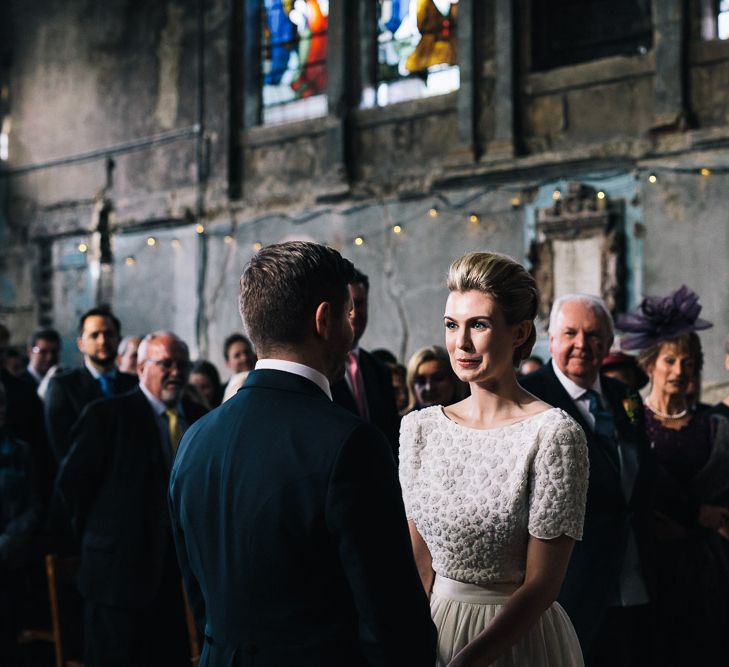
x,y
691,575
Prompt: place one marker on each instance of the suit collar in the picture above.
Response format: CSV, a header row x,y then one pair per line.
x,y
307,372
271,378
572,388
559,396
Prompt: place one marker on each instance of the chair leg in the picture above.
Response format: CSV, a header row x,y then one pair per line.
x,y
191,627
53,602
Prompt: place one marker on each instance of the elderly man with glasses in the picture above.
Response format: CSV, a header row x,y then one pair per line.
x,y
114,483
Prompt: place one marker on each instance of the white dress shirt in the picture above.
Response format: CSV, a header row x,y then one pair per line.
x,y
319,379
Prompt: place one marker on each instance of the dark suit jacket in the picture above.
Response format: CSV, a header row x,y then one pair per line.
x,y
25,421
381,404
69,392
26,376
114,480
291,534
594,569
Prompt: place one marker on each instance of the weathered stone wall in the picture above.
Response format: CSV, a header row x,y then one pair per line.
x,y
86,76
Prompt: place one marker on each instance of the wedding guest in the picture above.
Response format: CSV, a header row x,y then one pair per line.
x,y
494,485
238,353
20,514
205,378
431,380
722,407
624,367
126,357
531,364
606,588
366,388
691,507
44,346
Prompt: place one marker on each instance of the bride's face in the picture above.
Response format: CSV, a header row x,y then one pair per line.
x,y
479,341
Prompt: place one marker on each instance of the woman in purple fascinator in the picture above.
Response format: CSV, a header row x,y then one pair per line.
x,y
690,600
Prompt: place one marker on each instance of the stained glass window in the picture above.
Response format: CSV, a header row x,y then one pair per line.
x,y
416,50
293,58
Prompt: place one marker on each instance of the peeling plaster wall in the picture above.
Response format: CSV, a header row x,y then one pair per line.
x,y
87,75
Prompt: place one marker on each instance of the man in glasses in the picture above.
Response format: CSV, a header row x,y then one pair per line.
x,y
70,391
115,480
44,347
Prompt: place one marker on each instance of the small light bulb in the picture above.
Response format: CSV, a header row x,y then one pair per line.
x,y
228,239
397,229
257,246
601,195
556,195
516,201
151,241
433,212
705,171
358,241
199,228
652,178
130,261
473,218
175,243
82,247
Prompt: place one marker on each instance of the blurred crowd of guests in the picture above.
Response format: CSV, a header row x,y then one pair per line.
x,y
85,455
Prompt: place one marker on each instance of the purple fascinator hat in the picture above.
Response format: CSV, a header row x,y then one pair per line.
x,y
658,319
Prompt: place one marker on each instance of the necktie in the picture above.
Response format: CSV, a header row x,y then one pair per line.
x,y
604,424
355,378
107,385
173,422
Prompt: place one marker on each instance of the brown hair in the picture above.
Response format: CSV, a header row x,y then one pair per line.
x,y
282,286
686,344
507,281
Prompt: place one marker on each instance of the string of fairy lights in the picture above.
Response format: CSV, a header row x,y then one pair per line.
x,y
441,208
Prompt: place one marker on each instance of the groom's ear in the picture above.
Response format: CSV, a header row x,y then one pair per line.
x,y
322,320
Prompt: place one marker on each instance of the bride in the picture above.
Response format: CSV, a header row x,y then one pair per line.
x,y
494,486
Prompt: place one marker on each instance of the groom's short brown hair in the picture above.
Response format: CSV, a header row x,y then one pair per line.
x,y
282,286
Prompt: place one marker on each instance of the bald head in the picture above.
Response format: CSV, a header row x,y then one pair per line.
x,y
163,366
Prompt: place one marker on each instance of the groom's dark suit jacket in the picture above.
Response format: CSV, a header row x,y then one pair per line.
x,y
291,534
594,570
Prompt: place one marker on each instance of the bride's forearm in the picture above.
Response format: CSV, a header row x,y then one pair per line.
x,y
512,622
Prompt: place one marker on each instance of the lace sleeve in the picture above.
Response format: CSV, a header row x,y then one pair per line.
x,y
409,453
558,482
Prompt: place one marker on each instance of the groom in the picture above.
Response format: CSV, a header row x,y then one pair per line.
x,y
287,514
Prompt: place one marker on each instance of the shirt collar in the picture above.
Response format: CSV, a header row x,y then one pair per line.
x,y
319,379
97,374
158,406
34,372
574,390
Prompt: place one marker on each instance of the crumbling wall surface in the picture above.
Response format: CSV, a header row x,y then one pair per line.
x,y
608,102
687,242
88,77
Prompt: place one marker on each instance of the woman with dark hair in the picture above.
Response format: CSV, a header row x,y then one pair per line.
x,y
494,485
205,378
691,507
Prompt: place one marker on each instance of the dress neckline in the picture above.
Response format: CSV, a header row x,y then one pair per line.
x,y
441,412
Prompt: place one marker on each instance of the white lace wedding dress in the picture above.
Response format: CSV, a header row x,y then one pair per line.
x,y
475,496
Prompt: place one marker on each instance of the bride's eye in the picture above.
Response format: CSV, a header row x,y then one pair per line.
x,y
449,324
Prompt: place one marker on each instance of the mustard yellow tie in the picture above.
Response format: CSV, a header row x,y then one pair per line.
x,y
173,422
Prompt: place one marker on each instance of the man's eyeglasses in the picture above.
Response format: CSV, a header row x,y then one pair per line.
x,y
169,364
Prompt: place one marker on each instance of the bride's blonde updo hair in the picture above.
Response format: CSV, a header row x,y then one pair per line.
x,y
508,282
